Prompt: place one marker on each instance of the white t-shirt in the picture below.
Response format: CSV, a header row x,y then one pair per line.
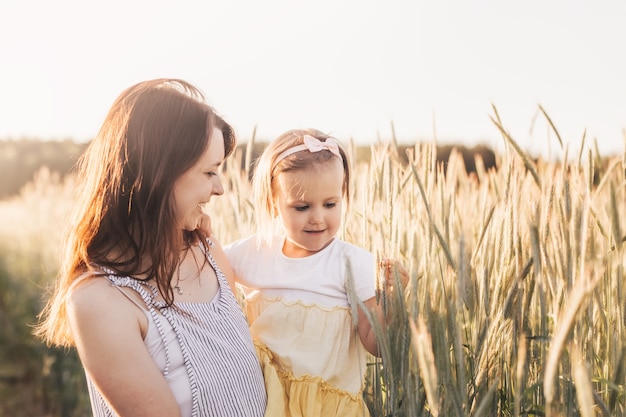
x,y
321,278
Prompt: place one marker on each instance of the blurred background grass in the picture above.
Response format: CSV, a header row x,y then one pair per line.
x,y
515,304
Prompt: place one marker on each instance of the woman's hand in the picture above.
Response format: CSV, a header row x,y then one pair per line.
x,y
204,225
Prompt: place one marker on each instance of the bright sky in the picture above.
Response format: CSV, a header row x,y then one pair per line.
x,y
348,67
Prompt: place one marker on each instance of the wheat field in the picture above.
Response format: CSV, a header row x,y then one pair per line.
x,y
515,304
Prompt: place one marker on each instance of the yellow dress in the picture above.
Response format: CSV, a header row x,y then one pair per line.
x,y
312,373
300,318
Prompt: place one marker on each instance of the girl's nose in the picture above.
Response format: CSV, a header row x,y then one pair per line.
x,y
316,217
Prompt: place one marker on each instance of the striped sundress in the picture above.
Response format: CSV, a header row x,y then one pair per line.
x,y
206,353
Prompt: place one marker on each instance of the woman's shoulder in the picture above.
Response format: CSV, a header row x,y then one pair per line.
x,y
96,297
93,293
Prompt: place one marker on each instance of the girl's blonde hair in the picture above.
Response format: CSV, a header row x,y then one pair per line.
x,y
269,166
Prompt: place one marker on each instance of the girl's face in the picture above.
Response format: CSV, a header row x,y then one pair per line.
x,y
309,206
196,186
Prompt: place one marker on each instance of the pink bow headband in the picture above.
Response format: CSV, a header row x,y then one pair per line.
x,y
312,145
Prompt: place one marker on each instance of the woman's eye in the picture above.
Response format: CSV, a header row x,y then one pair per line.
x,y
211,173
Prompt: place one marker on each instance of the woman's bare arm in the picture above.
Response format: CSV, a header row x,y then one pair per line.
x,y
108,330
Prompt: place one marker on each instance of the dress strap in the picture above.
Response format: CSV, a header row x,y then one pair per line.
x,y
212,262
133,300
225,291
148,294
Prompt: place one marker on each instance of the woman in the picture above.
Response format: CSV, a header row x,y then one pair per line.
x,y
143,295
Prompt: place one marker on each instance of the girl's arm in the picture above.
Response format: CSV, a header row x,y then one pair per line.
x,y
108,330
364,327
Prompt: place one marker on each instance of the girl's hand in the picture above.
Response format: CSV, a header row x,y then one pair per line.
x,y
392,268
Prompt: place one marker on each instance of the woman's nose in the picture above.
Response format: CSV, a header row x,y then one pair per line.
x,y
218,189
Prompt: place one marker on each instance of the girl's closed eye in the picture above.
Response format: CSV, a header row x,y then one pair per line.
x,y
330,205
301,208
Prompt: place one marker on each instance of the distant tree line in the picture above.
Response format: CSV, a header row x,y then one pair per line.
x,y
21,159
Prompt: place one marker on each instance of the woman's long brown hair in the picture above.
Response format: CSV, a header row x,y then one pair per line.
x,y
125,213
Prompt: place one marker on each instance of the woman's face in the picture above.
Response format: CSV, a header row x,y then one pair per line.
x,y
196,186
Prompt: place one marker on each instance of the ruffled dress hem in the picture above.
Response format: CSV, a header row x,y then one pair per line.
x,y
304,396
